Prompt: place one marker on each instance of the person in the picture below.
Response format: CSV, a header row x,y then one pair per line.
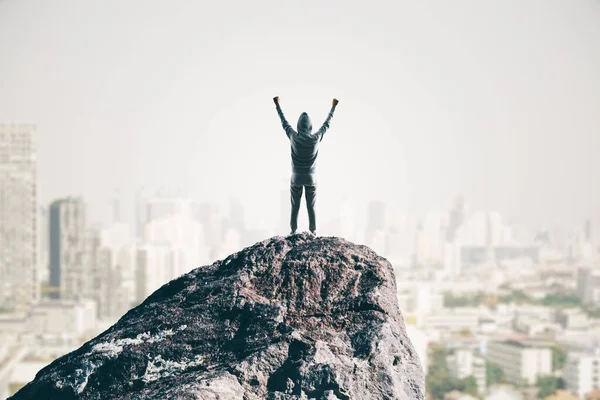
x,y
305,149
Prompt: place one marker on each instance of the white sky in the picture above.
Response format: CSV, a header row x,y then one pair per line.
x,y
497,100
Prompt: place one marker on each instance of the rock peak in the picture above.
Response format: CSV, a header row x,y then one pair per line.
x,y
291,317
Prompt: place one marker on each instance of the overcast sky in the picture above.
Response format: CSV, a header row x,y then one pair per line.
x,y
495,100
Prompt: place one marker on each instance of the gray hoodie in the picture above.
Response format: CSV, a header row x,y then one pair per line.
x,y
304,143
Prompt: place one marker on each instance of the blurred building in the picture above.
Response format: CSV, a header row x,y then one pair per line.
x,y
463,363
588,285
474,240
115,283
572,318
580,246
62,318
19,280
454,320
43,244
453,264
475,230
155,266
587,230
430,239
172,223
426,299
582,372
67,243
90,264
521,362
456,218
172,244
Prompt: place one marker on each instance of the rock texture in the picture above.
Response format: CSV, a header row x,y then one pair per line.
x,y
296,317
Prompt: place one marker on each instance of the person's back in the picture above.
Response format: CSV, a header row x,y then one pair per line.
x,y
305,147
304,150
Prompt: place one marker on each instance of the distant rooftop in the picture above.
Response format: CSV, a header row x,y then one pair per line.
x,y
527,343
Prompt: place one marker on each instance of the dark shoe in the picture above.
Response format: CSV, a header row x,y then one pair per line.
x,y
292,233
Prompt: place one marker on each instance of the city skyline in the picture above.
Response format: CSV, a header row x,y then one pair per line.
x,y
87,277
278,218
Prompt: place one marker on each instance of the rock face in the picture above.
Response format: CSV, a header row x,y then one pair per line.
x,y
293,317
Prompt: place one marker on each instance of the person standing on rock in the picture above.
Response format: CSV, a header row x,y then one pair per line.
x,y
305,149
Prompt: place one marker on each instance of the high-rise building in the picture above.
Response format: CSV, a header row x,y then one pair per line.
x,y
498,233
587,230
172,244
588,285
43,244
456,218
430,239
579,247
521,362
156,264
463,363
452,259
475,230
19,281
115,288
90,272
67,244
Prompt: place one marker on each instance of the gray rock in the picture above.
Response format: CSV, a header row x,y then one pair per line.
x,y
296,317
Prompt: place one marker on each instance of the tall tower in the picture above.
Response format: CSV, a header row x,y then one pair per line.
x,y
19,282
457,218
587,230
67,246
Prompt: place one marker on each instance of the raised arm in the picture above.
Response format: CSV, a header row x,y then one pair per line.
x,y
289,131
325,125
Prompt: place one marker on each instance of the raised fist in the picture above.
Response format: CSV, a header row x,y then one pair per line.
x,y
276,100
335,102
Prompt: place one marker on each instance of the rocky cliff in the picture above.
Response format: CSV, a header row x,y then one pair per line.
x,y
296,317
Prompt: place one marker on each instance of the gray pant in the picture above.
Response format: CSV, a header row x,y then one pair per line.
x,y
298,183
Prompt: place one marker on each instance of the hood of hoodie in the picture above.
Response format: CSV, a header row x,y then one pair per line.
x,y
304,124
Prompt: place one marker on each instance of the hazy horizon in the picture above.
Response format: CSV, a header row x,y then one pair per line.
x,y
497,102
